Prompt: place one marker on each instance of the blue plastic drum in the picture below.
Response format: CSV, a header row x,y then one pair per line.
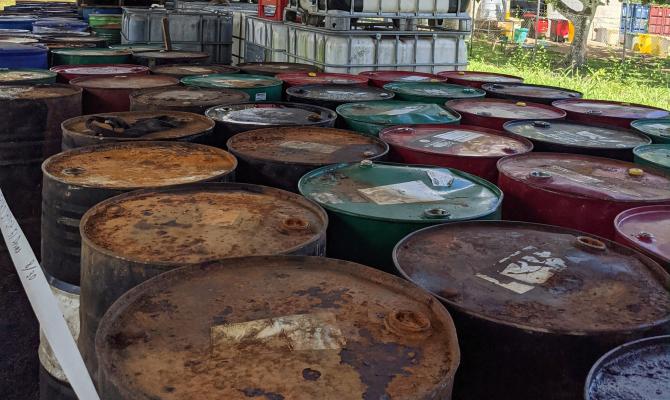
x,y
22,56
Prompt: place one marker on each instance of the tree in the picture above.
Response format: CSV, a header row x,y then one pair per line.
x,y
580,13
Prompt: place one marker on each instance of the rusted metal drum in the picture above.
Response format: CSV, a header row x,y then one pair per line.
x,y
26,76
331,330
332,96
112,93
381,78
179,71
372,205
534,300
610,113
136,126
432,92
476,78
657,129
236,118
180,98
653,155
135,236
493,113
279,157
471,149
274,68
577,191
66,73
530,93
575,138
321,78
634,370
163,57
647,230
258,87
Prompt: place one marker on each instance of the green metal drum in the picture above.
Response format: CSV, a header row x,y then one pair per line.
x,y
432,92
90,56
372,206
371,117
102,20
26,76
657,129
258,87
655,155
111,35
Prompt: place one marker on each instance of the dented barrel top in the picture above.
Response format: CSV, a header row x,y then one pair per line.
x,y
537,277
91,52
479,77
612,109
182,70
196,223
105,69
525,90
339,93
23,76
657,129
311,78
232,81
278,328
397,113
587,176
127,166
646,228
306,145
36,92
276,113
459,140
274,68
398,192
180,96
124,82
507,109
577,135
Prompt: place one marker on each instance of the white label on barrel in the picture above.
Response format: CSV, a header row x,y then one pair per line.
x,y
45,305
459,136
440,178
399,193
310,146
261,96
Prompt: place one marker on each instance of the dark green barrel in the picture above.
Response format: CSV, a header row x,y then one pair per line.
x,y
432,92
90,56
655,155
657,129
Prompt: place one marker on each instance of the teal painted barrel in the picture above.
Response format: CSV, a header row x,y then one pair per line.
x,y
657,129
432,92
655,155
258,87
371,117
90,56
371,206
26,76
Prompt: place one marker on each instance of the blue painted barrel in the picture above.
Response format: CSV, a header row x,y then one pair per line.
x,y
22,56
59,25
87,11
17,22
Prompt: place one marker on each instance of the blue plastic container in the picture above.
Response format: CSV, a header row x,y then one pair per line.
x,y
16,22
59,25
22,56
87,11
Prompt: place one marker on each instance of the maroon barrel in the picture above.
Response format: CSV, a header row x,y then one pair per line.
x,y
381,78
112,93
531,93
577,191
610,113
66,73
646,229
320,78
476,78
493,113
472,149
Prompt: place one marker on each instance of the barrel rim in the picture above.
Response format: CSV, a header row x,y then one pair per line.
x,y
632,213
457,74
291,91
639,151
560,114
332,115
559,103
456,114
160,80
490,87
639,124
272,81
398,88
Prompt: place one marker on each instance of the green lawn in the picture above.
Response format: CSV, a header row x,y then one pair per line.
x,y
641,80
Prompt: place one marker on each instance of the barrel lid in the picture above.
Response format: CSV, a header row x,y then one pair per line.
x,y
180,96
12,32
91,52
587,177
196,223
306,145
531,91
401,193
502,108
76,39
577,135
647,228
397,113
137,47
15,49
124,81
283,327
17,40
657,154
304,78
402,76
434,89
129,166
34,92
100,69
274,68
339,93
60,22
612,109
656,128
635,370
277,113
193,69
172,54
536,277
19,75
460,140
232,81
479,76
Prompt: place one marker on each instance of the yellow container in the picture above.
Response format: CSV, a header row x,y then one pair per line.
x,y
571,32
648,44
5,3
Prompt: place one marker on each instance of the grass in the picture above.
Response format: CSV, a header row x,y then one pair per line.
x,y
639,79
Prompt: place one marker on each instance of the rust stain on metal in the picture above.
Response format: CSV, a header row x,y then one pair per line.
x,y
124,82
36,92
187,96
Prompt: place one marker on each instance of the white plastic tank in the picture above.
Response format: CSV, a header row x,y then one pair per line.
x,y
388,6
266,41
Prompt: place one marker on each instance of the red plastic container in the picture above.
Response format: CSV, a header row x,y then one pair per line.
x,y
476,79
577,191
381,78
272,9
608,113
320,78
112,93
560,30
472,149
66,73
646,229
493,113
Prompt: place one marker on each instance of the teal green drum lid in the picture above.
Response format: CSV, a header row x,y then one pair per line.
x,y
401,193
657,155
397,113
657,129
437,90
231,81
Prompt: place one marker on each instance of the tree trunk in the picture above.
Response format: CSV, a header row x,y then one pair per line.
x,y
582,24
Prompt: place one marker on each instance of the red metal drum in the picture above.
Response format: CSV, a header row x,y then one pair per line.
x,y
112,93
577,191
476,79
472,149
647,230
66,73
530,93
381,78
610,113
320,78
493,113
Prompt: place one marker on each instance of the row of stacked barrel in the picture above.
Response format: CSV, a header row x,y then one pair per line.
x,y
545,305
